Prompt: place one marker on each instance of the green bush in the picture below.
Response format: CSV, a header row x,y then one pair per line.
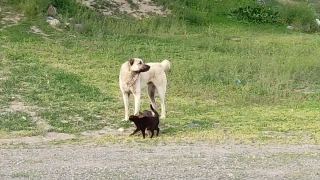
x,y
195,17
34,8
70,7
255,13
31,8
200,12
297,14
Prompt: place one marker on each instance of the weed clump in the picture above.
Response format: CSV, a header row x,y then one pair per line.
x,y
298,14
255,13
301,15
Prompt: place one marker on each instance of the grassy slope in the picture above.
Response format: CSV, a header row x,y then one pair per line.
x,y
73,79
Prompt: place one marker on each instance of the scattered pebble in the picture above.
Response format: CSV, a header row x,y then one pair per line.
x,y
290,27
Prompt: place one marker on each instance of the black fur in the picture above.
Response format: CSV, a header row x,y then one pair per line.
x,y
146,122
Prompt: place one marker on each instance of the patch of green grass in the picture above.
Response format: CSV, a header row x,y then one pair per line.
x,y
261,87
46,86
16,121
23,174
1,17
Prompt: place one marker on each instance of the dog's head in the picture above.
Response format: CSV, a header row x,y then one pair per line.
x,y
137,65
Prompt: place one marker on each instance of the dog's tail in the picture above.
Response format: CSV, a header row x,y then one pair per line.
x,y
165,64
154,111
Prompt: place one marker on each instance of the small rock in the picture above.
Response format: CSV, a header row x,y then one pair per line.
x,y
121,129
192,124
53,22
50,18
260,2
290,27
236,39
306,138
79,26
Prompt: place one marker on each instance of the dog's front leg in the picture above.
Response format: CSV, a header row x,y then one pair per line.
x,y
126,105
136,102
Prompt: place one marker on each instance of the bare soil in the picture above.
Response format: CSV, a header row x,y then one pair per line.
x,y
161,161
137,8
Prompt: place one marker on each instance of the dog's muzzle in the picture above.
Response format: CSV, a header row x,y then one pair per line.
x,y
145,68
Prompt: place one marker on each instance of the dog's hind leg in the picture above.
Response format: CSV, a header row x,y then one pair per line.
x,y
161,92
151,94
158,130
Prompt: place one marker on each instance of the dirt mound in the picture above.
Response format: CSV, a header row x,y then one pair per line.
x,y
137,8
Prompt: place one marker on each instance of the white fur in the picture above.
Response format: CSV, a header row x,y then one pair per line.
x,y
318,22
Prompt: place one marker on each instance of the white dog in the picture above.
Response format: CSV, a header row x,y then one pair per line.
x,y
318,22
136,75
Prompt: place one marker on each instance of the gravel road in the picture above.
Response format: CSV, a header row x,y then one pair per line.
x,y
170,161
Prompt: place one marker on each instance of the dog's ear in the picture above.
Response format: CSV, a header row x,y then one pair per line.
x,y
131,61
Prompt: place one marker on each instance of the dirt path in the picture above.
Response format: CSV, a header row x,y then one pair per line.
x,y
161,161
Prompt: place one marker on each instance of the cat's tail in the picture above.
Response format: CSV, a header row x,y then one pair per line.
x,y
154,111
